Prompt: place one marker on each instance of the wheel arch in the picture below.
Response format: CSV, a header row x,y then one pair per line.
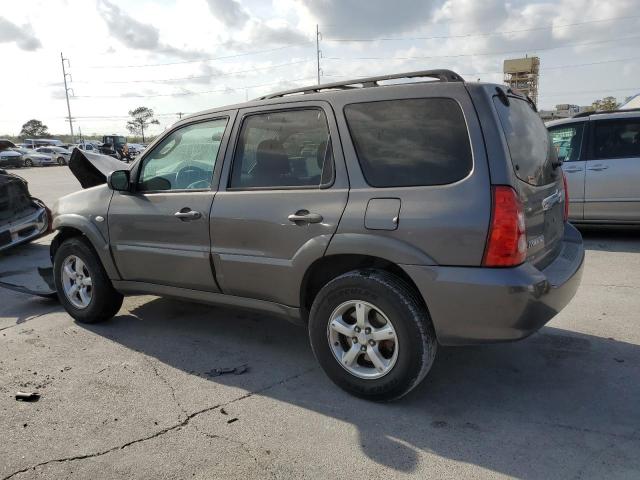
x,y
69,226
329,267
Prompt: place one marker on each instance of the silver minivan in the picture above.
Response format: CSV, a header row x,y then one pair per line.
x,y
601,160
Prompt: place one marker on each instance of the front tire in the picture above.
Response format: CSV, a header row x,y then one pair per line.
x,y
61,161
372,335
83,287
28,162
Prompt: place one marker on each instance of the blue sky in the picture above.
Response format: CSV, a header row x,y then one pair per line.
x,y
189,55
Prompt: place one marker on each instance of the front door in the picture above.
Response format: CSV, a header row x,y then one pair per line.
x,y
159,233
567,140
286,190
612,186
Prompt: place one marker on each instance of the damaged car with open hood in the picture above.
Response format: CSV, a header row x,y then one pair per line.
x,y
23,218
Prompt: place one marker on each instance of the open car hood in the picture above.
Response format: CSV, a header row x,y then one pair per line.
x,y
92,169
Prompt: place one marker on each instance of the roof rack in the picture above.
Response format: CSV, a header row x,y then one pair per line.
x,y
442,76
601,112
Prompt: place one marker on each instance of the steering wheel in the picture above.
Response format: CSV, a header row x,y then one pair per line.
x,y
189,176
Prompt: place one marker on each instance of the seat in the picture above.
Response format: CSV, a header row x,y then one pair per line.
x,y
272,165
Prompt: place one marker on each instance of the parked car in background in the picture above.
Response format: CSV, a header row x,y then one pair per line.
x,y
386,218
11,159
135,149
601,160
61,155
87,147
10,156
40,157
22,217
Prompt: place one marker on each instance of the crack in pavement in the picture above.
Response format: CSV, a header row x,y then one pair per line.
x,y
159,433
169,386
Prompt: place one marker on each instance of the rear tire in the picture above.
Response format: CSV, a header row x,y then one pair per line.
x,y
83,287
61,161
402,361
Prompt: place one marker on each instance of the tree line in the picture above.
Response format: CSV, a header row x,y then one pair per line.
x,y
138,124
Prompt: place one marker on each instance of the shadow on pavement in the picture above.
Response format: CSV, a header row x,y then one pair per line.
x,y
612,238
519,409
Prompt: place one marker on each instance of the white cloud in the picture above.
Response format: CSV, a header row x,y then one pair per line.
x,y
23,36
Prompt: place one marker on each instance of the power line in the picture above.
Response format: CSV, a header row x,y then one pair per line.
x,y
571,92
555,67
255,52
566,45
198,77
480,34
180,94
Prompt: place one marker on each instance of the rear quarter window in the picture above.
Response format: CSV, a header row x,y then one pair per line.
x,y
412,142
532,153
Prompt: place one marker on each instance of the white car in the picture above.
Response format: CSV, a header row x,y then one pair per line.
x,y
40,157
61,155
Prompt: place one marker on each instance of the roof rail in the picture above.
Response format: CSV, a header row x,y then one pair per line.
x,y
442,75
601,112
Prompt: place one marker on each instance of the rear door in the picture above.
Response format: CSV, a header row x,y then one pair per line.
x,y
568,140
538,177
612,187
284,189
160,232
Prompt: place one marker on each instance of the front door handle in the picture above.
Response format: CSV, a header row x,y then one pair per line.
x,y
572,170
186,214
597,168
303,217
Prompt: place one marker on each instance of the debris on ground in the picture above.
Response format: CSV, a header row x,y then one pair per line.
x,y
216,372
27,396
232,420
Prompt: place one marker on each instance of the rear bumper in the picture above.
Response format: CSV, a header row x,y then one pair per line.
x,y
480,305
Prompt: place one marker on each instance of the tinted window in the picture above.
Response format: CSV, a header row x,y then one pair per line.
x,y
283,149
532,153
567,140
617,138
402,143
185,159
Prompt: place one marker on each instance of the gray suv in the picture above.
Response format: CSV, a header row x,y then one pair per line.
x,y
386,218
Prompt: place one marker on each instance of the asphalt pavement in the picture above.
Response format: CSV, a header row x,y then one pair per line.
x,y
141,396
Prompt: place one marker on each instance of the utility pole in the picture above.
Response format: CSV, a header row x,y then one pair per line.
x,y
180,115
318,52
66,91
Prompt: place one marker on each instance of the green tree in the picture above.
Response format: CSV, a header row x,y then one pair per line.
x,y
605,104
34,128
141,118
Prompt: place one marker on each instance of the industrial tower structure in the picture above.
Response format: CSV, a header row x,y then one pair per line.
x,y
522,74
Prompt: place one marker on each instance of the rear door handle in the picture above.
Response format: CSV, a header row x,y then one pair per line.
x,y
302,217
186,214
597,168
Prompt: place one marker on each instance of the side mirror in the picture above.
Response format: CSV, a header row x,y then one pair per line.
x,y
119,181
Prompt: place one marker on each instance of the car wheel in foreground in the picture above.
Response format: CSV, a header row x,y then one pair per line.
x,y
83,287
28,162
372,335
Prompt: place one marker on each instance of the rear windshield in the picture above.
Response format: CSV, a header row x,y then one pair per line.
x,y
532,153
412,142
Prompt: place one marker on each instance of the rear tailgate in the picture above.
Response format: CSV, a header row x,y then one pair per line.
x,y
539,181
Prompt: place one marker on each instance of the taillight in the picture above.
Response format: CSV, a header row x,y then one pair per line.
x,y
566,197
507,239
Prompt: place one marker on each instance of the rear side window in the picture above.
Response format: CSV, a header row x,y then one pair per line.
x,y
567,140
402,143
532,153
283,149
617,138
